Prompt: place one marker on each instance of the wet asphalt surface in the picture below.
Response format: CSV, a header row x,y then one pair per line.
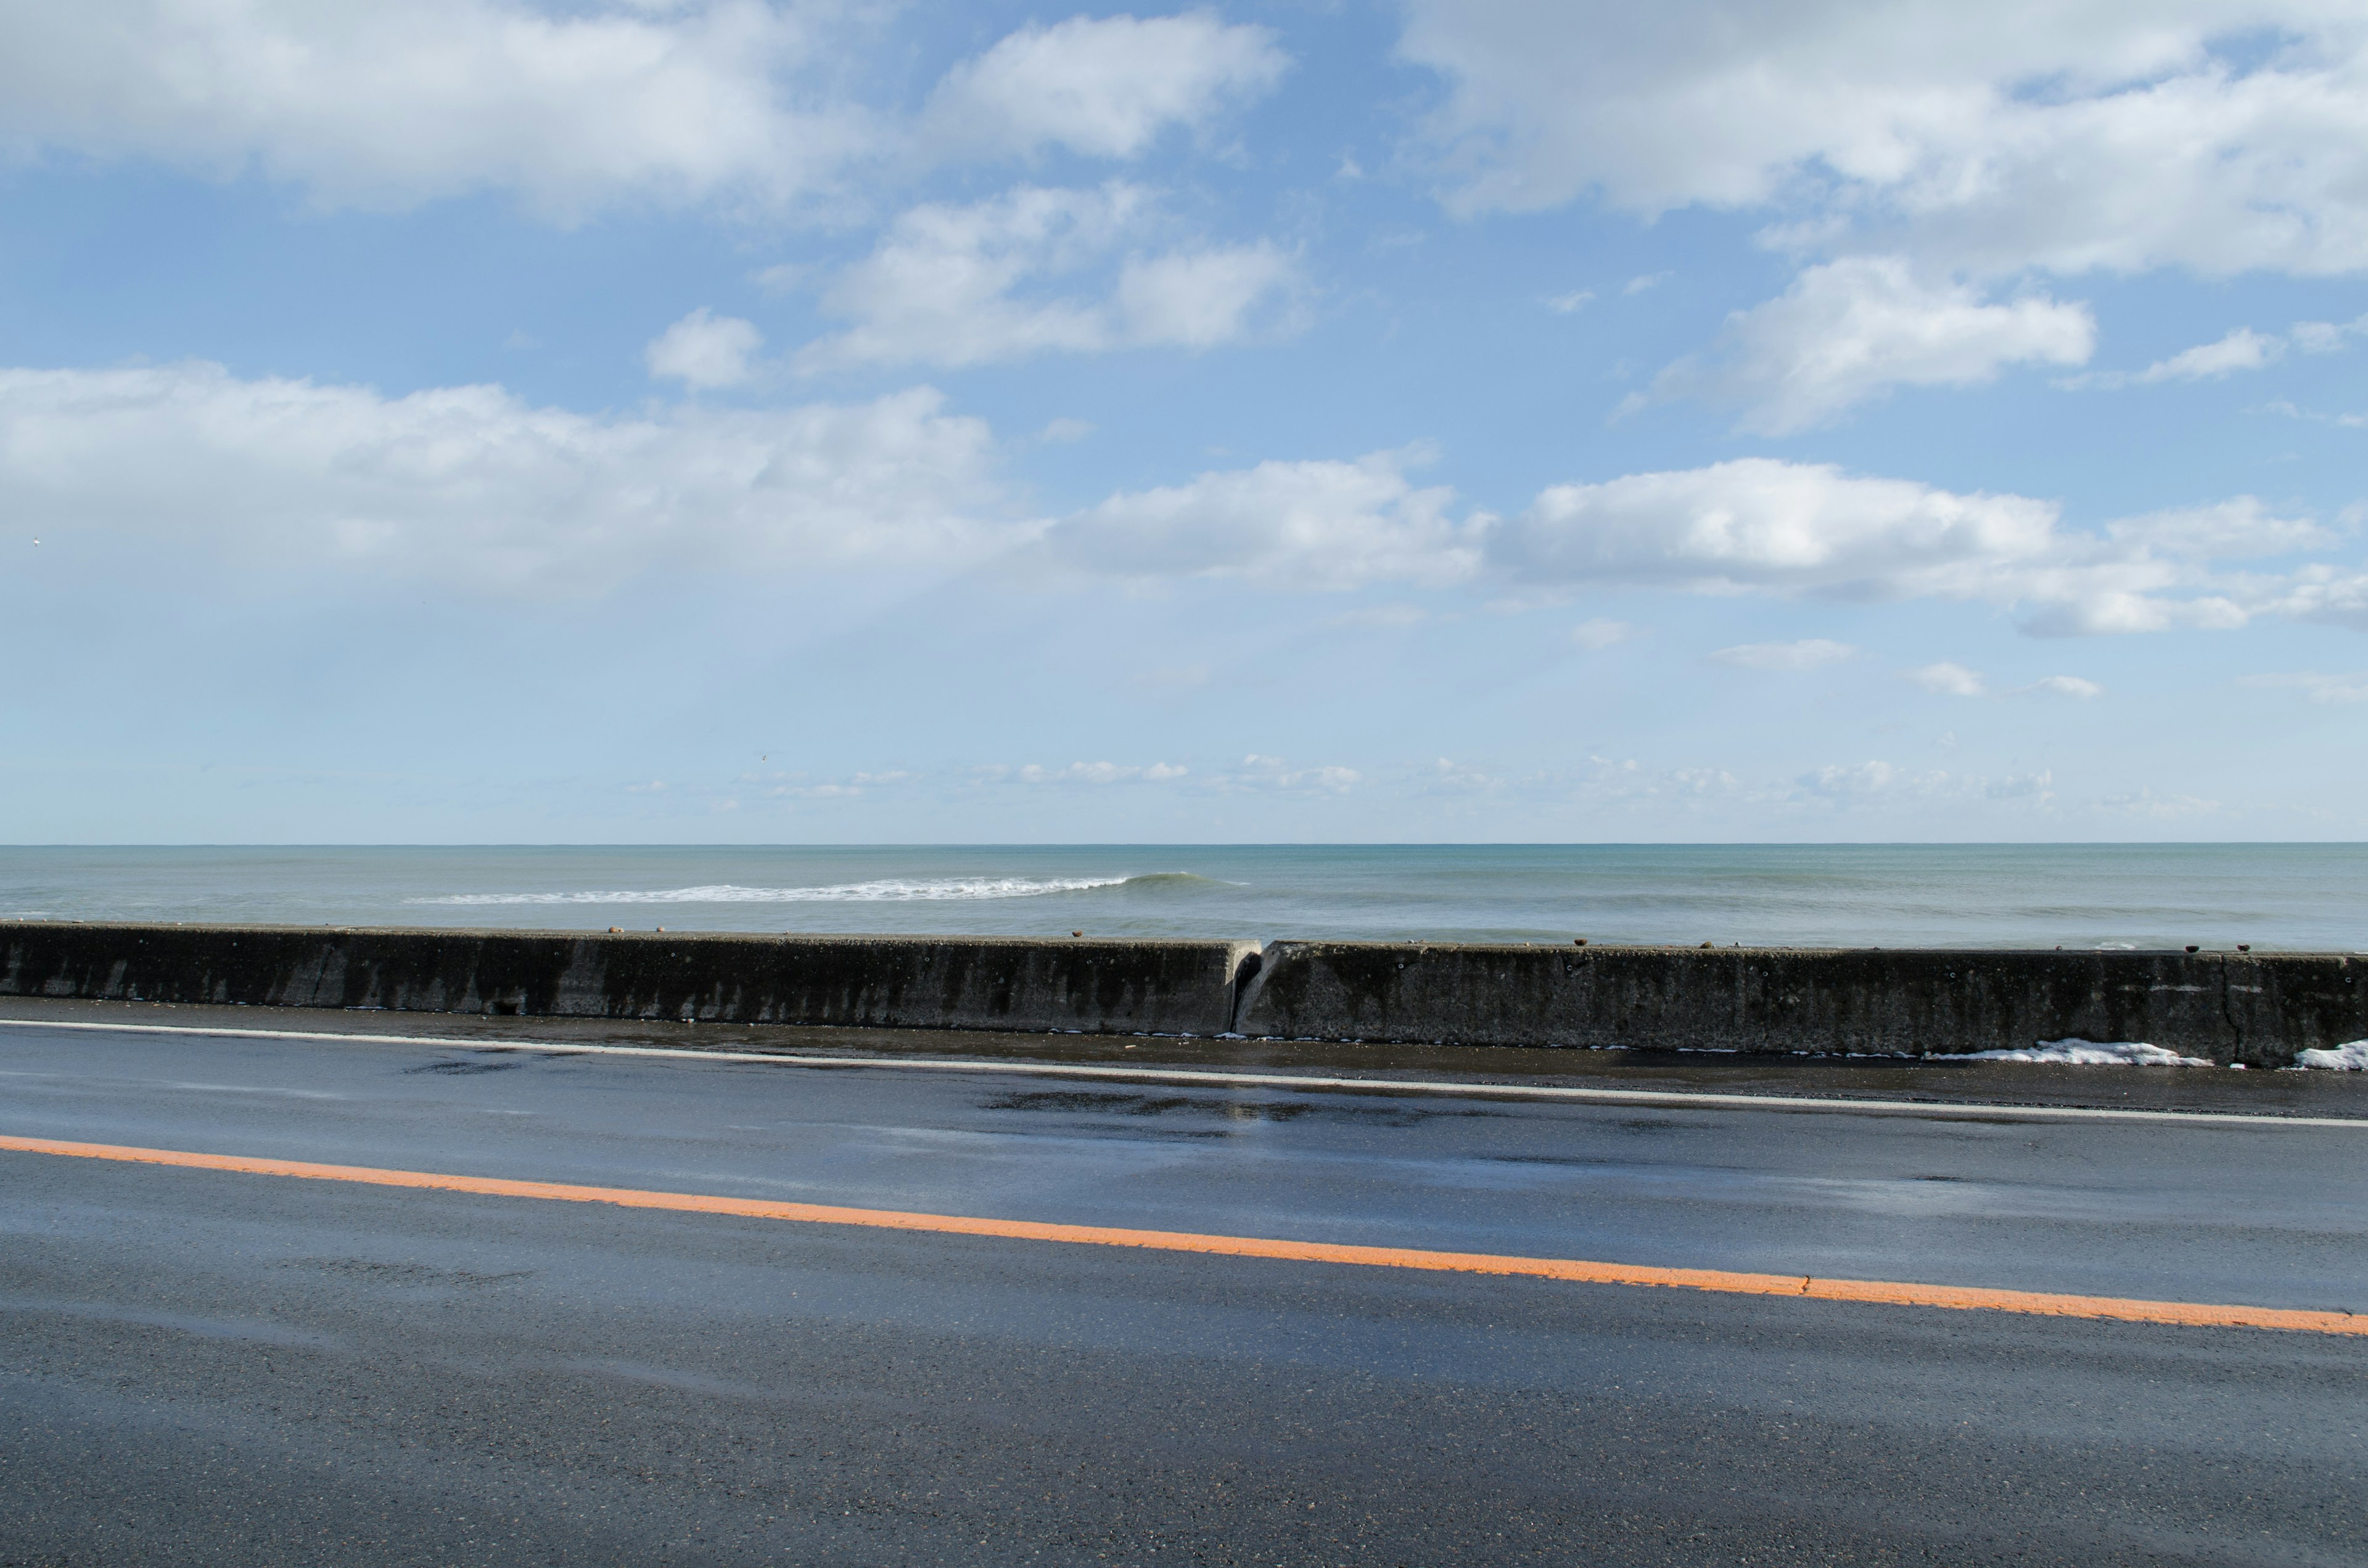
x,y
205,1366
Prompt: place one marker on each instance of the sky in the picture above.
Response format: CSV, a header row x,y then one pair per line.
x,y
665,420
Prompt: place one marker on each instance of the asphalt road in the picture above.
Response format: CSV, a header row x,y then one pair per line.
x,y
212,1367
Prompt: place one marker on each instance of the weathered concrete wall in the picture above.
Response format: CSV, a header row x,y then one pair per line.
x,y
977,982
2255,1008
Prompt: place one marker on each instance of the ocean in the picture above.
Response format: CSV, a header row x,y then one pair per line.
x,y
2284,896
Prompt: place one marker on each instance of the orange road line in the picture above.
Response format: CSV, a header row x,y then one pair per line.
x,y
1885,1293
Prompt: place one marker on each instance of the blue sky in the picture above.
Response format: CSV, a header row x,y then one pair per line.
x,y
1498,420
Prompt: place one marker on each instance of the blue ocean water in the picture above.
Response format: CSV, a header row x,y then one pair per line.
x,y
2312,897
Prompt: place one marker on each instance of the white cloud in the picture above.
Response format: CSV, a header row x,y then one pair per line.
x,y
1564,304
1875,786
2326,337
1599,634
2066,134
1101,773
387,105
2068,685
1865,779
1760,525
574,107
1292,525
1196,298
704,350
2344,688
1760,522
948,285
2243,349
1922,154
1956,680
2241,528
1948,679
1105,87
1810,653
1750,526
473,486
1272,773
2335,595
1854,328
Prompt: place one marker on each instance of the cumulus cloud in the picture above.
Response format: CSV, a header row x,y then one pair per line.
x,y
1750,526
1926,153
1948,679
1320,524
2333,595
2067,686
386,105
1761,522
1810,653
2164,135
1105,87
1854,328
966,284
1757,523
703,350
474,486
576,107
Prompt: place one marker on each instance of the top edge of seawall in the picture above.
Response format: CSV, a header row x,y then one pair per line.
x,y
1271,947
1321,944
585,933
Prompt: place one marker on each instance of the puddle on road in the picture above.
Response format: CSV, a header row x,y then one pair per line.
x,y
379,1272
1086,1102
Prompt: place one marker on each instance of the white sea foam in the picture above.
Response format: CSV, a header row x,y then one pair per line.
x,y
2091,1053
2351,1056
891,890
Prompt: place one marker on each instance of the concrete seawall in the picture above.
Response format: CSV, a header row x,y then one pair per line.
x,y
971,982
2257,1008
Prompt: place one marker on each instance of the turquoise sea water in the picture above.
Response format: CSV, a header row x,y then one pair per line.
x,y
2273,897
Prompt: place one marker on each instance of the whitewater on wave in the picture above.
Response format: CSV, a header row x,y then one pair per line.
x,y
887,889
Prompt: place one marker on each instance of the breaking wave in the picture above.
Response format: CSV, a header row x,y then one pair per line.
x,y
887,889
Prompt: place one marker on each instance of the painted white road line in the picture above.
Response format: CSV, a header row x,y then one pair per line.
x,y
1680,1098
